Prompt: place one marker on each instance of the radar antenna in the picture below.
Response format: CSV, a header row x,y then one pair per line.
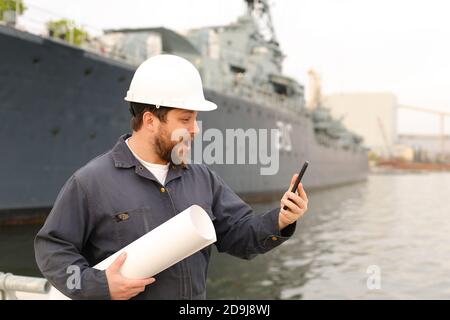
x,y
260,11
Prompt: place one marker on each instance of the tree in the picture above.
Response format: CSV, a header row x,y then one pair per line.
x,y
10,5
67,30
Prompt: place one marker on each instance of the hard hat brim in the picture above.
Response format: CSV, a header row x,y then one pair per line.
x,y
204,105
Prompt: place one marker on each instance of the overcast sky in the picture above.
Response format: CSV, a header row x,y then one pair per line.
x,y
398,46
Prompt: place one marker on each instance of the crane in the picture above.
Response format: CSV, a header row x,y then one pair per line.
x,y
385,140
442,115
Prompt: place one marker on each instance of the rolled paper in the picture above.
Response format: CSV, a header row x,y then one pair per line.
x,y
176,239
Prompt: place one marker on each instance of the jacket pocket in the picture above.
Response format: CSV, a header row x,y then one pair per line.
x,y
132,224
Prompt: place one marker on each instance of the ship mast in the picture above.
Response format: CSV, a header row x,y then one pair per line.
x,y
314,90
260,11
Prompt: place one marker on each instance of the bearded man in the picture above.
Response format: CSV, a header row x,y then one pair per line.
x,y
143,181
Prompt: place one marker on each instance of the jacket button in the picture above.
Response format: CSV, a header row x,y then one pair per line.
x,y
274,238
162,189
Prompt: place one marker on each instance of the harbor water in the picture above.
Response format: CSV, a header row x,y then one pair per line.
x,y
385,238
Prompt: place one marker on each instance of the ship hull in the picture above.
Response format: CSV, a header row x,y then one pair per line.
x,y
61,106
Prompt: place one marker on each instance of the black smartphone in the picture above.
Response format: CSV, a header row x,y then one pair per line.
x,y
299,178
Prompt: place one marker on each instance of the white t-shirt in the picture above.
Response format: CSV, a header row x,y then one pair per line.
x,y
158,170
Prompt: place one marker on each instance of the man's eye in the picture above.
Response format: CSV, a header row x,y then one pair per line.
x,y
185,120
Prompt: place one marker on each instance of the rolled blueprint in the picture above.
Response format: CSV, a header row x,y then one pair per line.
x,y
176,239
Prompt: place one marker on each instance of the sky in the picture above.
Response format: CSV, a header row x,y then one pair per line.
x,y
397,46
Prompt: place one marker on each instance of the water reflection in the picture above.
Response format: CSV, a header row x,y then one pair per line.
x,y
399,223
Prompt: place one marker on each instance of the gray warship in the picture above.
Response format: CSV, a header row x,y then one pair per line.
x,y
62,105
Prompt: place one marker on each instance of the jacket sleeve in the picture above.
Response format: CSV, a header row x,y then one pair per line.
x,y
59,244
240,231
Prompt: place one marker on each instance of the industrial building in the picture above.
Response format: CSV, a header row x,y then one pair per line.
x,y
372,115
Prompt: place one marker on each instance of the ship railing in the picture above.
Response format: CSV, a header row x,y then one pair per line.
x,y
267,98
127,58
14,287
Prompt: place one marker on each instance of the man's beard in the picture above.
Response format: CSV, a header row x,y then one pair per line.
x,y
164,146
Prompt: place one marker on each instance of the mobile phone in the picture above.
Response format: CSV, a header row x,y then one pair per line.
x,y
299,178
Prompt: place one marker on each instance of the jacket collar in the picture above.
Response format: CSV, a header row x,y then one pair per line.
x,y
123,158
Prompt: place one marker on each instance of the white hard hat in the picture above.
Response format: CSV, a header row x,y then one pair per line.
x,y
169,81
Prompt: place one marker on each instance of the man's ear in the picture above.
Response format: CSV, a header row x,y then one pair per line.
x,y
149,120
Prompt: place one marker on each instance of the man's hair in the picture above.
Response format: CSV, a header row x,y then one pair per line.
x,y
137,110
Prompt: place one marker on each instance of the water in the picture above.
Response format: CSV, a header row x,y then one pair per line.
x,y
398,225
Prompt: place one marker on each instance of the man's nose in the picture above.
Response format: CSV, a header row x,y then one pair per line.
x,y
194,129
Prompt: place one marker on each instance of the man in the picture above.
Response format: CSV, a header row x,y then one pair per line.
x,y
143,182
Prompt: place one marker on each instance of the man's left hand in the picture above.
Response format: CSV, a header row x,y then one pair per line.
x,y
297,204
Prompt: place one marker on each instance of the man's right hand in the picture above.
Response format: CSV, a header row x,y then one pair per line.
x,y
121,288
